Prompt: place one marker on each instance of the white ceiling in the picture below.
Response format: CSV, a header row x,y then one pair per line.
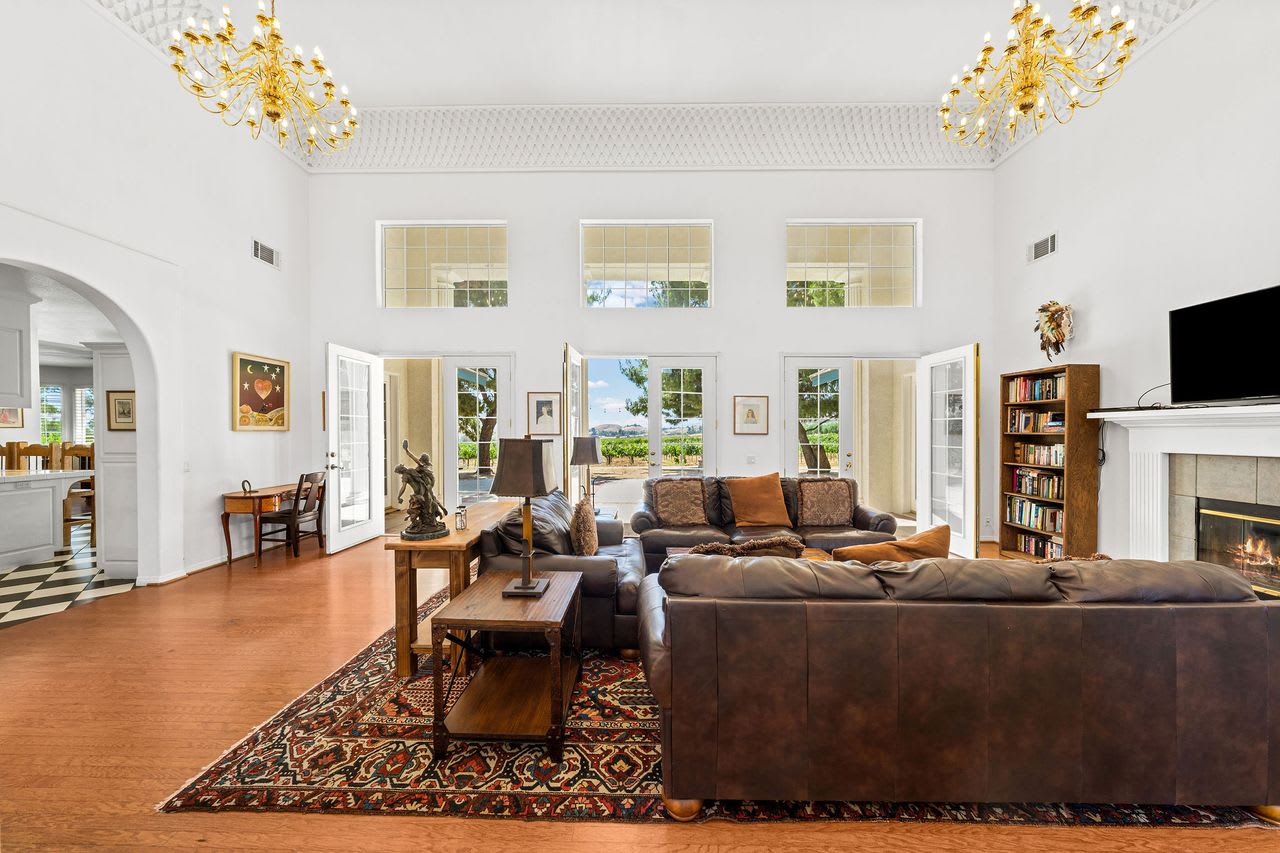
x,y
63,320
453,52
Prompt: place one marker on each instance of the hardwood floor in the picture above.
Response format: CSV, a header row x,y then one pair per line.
x,y
105,710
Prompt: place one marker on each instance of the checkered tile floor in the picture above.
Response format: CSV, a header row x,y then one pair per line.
x,y
70,579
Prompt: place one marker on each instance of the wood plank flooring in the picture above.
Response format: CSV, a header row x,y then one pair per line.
x,y
105,710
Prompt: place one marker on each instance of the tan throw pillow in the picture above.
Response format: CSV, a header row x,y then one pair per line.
x,y
935,542
825,503
680,502
586,542
758,501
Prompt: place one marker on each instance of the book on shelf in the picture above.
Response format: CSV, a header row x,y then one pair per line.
x,y
1029,513
1025,389
1033,420
1039,454
1038,546
1035,483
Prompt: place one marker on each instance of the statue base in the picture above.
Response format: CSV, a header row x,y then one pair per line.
x,y
412,535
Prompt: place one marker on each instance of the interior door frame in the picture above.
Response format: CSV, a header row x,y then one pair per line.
x,y
336,538
709,364
791,410
573,360
967,542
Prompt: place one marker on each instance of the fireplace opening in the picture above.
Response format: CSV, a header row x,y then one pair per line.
x,y
1244,537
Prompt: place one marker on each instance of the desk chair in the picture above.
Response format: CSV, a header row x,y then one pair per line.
x,y
307,508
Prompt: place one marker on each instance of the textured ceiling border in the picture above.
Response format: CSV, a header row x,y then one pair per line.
x,y
642,137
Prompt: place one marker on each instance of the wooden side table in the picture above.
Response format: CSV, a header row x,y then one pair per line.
x,y
253,503
514,697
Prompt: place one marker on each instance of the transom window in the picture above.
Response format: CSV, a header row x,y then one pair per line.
x,y
646,264
443,264
852,263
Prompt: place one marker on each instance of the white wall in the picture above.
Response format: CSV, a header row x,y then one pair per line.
x,y
140,169
1163,195
748,326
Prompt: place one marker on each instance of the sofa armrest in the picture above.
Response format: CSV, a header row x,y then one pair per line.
x,y
609,531
867,518
490,543
599,573
655,651
644,519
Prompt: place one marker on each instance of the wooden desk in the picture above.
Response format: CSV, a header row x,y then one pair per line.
x,y
253,503
454,552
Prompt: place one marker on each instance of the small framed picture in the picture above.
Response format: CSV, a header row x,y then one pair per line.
x,y
259,393
751,415
11,419
122,411
544,413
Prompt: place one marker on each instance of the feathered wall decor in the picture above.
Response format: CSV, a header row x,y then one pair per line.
x,y
1053,322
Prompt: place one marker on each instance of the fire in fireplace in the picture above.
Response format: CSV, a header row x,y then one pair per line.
x,y
1242,536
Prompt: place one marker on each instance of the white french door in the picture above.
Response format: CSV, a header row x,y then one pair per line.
x,y
682,416
817,416
574,417
947,445
478,410
354,417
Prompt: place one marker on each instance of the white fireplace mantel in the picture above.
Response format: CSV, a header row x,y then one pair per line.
x,y
1154,434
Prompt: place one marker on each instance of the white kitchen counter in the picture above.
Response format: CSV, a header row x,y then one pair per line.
x,y
31,514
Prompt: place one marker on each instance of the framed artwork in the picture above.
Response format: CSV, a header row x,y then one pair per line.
x,y
544,413
751,415
259,393
122,410
11,419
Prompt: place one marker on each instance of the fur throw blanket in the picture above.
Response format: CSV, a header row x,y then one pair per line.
x,y
1089,559
773,546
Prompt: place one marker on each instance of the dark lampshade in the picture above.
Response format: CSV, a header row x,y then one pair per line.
x,y
586,451
525,468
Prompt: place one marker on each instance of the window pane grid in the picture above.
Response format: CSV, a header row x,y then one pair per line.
x,y
84,416
646,265
477,396
818,403
50,414
851,265
444,266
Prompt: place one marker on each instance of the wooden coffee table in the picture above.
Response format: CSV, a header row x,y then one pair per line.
x,y
513,697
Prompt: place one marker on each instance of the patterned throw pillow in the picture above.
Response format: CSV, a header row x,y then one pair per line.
x,y
680,502
826,503
586,542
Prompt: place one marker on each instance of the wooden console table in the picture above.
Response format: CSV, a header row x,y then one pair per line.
x,y
454,552
253,503
514,697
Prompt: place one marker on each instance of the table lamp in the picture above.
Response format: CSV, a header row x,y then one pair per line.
x,y
586,451
525,470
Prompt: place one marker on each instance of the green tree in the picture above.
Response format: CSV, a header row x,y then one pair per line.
x,y
820,294
478,412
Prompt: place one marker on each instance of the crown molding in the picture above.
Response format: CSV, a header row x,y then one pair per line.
x,y
643,137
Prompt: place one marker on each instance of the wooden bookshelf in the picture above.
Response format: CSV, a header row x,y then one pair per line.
x,y
1067,476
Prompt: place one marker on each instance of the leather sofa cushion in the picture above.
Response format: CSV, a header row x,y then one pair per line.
x,y
552,517
586,540
1149,580
766,577
758,501
967,580
738,535
630,560
831,538
826,502
934,542
659,539
680,501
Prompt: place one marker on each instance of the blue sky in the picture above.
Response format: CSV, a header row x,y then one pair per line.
x,y
607,391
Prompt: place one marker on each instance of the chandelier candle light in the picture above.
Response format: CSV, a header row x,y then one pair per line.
x,y
1041,71
264,82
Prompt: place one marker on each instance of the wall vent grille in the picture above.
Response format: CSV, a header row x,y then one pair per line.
x,y
1042,248
266,254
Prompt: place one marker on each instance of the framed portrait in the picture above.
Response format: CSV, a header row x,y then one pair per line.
x,y
11,419
259,393
751,415
544,413
122,410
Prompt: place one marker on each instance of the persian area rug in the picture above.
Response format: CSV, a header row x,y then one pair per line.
x,y
360,742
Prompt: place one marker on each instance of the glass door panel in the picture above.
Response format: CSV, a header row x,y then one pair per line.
x,y
354,402
477,414
818,416
681,416
948,445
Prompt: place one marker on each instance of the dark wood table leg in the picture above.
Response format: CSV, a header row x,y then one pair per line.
x,y
406,614
226,534
439,731
555,732
459,580
257,534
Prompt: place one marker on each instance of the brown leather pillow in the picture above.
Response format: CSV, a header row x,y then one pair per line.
x,y
680,502
586,542
758,501
825,503
934,542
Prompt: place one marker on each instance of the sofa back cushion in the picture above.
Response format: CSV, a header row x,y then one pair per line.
x,y
758,501
679,501
552,520
1148,580
932,543
826,502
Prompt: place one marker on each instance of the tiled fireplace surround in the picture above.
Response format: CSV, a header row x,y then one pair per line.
x,y
1246,479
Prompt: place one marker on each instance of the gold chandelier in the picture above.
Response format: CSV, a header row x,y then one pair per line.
x,y
1041,71
264,82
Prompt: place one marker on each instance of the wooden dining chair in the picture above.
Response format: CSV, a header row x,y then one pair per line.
x,y
10,453
48,456
307,508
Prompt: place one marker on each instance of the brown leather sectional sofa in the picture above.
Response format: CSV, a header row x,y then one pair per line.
x,y
962,681
869,525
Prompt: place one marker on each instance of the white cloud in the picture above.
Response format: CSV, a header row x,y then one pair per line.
x,y
597,383
607,404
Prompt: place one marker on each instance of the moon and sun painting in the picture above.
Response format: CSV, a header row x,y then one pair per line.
x,y
259,394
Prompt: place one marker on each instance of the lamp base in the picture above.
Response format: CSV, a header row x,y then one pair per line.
x,y
517,589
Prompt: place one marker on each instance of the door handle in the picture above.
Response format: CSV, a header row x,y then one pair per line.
x,y
334,467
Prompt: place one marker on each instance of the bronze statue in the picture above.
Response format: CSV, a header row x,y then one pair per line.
x,y
425,512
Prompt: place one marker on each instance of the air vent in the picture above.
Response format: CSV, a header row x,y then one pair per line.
x,y
266,254
1042,248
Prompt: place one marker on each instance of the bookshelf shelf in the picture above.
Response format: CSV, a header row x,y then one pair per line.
x,y
1063,461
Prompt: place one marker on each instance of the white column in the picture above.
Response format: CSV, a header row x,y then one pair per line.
x,y
1148,504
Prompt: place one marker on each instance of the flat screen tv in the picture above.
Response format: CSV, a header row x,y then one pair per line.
x,y
1226,349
